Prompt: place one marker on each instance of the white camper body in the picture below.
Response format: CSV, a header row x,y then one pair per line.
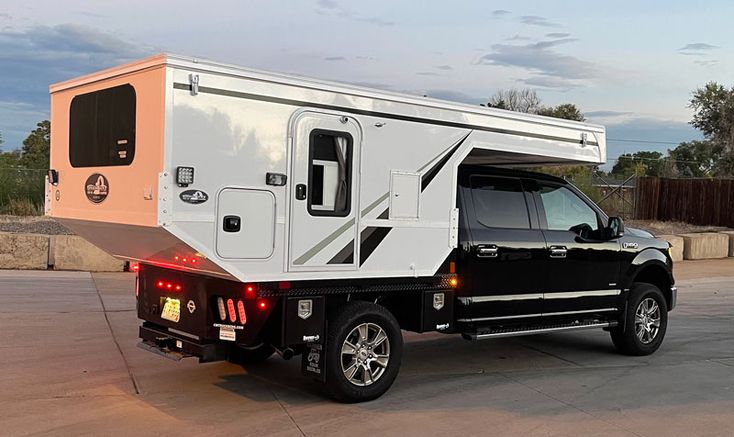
x,y
379,170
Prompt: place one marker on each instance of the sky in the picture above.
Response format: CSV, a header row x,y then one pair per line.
x,y
629,65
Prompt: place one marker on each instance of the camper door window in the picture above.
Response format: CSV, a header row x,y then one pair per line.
x,y
102,127
329,173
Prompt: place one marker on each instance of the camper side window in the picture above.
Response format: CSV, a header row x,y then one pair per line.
x,y
102,127
330,173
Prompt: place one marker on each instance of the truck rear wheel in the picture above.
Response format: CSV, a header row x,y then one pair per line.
x,y
645,321
363,352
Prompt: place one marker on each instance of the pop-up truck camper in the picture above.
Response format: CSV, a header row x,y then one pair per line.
x,y
271,213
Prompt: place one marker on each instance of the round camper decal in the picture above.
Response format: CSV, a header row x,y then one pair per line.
x,y
96,188
194,196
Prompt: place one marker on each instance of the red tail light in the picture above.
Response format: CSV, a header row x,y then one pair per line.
x,y
241,311
230,308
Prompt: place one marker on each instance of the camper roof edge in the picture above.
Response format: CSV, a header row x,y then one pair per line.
x,y
192,63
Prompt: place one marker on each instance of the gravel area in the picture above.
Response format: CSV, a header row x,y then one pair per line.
x,y
668,228
32,225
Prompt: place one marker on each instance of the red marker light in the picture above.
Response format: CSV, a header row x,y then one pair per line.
x,y
176,257
250,291
169,286
160,284
184,260
262,305
193,260
178,288
134,267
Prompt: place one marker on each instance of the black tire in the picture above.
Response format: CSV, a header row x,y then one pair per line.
x,y
340,327
243,356
626,337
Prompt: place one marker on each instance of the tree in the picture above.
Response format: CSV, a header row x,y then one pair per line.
x,y
567,111
640,163
519,100
713,107
35,151
697,158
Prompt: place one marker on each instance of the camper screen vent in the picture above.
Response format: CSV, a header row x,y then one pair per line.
x,y
102,128
330,173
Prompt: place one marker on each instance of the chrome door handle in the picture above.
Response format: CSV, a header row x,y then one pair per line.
x,y
558,251
487,251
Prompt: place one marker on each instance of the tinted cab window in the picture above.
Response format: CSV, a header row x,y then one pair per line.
x,y
499,202
565,210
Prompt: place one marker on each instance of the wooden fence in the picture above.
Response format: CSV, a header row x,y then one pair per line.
x,y
708,202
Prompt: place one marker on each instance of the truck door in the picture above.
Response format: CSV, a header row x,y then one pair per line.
x,y
504,263
583,269
324,192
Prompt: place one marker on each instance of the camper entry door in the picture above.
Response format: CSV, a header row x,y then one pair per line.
x,y
324,197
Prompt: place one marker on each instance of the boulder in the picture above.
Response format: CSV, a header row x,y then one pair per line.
x,y
23,251
705,245
676,243
71,252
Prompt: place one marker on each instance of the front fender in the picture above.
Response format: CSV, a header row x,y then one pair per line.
x,y
647,258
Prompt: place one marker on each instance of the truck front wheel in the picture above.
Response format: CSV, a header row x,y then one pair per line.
x,y
363,352
646,320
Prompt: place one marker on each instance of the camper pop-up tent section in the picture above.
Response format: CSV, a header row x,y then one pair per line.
x,y
288,178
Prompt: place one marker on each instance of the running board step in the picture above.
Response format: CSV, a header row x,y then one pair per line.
x,y
540,329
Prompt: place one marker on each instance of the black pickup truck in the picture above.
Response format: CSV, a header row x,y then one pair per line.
x,y
535,255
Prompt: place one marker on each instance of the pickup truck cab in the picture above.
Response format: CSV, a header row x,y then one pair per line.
x,y
537,255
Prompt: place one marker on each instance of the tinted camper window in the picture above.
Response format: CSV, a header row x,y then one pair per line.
x,y
330,173
102,128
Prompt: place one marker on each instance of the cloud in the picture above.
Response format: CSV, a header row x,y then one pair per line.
x,y
536,20
706,62
427,73
698,46
444,67
518,38
605,113
550,68
557,35
500,13
34,57
335,58
331,7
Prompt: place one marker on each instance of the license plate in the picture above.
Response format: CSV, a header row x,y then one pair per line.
x,y
171,310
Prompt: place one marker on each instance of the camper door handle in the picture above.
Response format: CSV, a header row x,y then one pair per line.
x,y
487,251
301,192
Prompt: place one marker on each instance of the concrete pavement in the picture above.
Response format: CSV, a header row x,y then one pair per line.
x,y
69,366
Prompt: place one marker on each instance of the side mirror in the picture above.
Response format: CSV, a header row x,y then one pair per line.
x,y
615,228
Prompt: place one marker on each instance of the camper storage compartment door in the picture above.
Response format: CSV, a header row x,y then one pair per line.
x,y
245,224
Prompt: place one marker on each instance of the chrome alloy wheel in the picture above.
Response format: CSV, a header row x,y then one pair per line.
x,y
365,354
647,320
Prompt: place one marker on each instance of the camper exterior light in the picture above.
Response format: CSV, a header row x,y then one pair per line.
x,y
275,179
184,176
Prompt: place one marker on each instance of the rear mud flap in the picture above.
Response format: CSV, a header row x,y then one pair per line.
x,y
313,361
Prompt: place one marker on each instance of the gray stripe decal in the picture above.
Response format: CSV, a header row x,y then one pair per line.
x,y
323,243
291,102
375,204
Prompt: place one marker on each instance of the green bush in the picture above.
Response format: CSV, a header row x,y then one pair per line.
x,y
21,191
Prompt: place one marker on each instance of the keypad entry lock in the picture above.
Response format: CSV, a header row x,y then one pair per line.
x,y
301,192
232,223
